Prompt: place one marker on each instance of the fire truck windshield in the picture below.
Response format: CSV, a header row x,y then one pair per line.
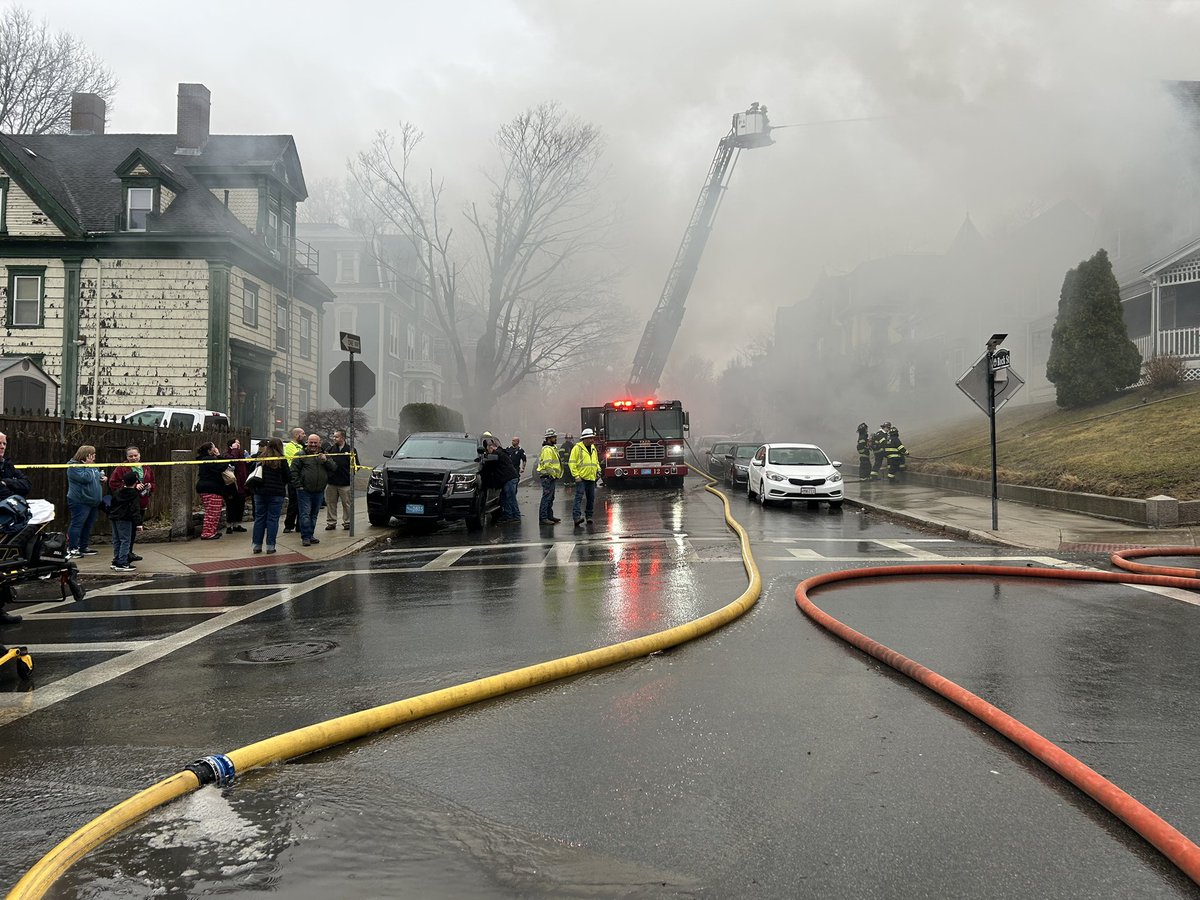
x,y
638,425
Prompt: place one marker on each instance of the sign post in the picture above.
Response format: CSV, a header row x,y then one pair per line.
x,y
990,383
352,344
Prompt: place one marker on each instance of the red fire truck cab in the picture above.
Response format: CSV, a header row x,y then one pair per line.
x,y
639,439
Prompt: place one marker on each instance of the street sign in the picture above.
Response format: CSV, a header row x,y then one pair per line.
x,y
364,383
974,383
1001,359
351,343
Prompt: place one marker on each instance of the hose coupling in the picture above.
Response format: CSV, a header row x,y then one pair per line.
x,y
216,769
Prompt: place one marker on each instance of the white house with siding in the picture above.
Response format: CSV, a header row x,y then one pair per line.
x,y
161,269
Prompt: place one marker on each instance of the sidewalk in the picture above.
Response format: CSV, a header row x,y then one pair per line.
x,y
232,551
1021,526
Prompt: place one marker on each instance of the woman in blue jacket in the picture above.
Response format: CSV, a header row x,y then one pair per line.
x,y
85,490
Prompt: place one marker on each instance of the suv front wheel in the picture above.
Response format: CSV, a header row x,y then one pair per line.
x,y
475,519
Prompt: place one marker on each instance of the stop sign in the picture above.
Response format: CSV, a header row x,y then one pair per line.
x,y
339,383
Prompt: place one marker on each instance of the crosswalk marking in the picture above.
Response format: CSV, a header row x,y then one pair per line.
x,y
804,553
562,553
135,613
902,547
447,559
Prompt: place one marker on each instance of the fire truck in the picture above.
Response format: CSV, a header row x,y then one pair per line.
x,y
637,440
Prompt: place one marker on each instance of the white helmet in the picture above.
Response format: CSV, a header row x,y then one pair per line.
x,y
550,432
586,433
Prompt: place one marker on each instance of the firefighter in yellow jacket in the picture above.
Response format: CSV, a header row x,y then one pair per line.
x,y
585,469
549,469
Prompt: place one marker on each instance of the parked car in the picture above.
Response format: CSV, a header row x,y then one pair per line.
x,y
793,472
432,476
178,417
715,458
737,463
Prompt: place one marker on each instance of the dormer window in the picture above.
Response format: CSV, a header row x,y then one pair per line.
x,y
139,203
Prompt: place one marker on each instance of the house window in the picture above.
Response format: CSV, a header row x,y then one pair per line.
x,y
412,342
273,225
306,335
25,296
139,203
287,235
346,318
394,336
281,324
347,267
426,348
250,303
3,205
280,402
395,394
305,398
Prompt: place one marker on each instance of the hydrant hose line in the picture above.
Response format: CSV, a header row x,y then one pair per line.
x,y
332,732
1168,840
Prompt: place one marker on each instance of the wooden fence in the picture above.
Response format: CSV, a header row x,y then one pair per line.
x,y
34,439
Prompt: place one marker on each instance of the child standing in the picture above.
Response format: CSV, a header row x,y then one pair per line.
x,y
125,515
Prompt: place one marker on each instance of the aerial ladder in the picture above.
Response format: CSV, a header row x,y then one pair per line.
x,y
750,129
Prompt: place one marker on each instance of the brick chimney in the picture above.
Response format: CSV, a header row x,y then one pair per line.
x,y
87,114
191,129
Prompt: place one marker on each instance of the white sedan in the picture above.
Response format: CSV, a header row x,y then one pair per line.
x,y
794,472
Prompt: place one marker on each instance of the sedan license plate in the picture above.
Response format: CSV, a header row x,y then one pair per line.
x,y
808,490
414,509
647,471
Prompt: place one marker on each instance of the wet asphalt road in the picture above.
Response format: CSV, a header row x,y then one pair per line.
x,y
766,760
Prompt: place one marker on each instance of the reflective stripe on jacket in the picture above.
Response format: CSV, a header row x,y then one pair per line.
x,y
585,464
548,463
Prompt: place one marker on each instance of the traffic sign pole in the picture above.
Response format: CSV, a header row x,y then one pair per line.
x,y
992,426
352,344
350,429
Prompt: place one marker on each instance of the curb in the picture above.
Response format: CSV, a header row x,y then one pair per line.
x,y
971,534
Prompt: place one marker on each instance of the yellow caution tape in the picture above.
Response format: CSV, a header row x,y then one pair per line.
x,y
250,460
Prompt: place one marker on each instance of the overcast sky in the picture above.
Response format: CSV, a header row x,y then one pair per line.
x,y
992,108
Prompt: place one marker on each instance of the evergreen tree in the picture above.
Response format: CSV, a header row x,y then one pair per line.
x,y
1091,355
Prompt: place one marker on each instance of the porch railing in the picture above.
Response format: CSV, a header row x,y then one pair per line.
x,y
1143,344
1182,342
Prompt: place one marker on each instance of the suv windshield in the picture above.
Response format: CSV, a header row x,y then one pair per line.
x,y
797,456
464,449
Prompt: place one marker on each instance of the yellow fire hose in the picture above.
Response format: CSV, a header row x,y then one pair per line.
x,y
323,735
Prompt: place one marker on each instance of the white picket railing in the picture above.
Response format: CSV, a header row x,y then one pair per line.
x,y
1143,344
1182,342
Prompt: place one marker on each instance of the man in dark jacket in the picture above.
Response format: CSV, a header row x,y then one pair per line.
x,y
517,454
310,476
338,488
498,471
11,482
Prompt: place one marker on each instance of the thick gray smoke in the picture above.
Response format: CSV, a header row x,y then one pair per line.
x,y
992,109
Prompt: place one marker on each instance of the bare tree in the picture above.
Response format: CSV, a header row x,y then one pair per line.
x,y
522,294
40,70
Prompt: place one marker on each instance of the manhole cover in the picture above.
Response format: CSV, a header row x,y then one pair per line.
x,y
287,652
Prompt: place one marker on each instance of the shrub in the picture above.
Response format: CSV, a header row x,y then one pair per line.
x,y
1164,372
1091,356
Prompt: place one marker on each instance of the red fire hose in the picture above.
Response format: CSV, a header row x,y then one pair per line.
x,y
1163,836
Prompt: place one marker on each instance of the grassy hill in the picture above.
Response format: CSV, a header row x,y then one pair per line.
x,y
1139,445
